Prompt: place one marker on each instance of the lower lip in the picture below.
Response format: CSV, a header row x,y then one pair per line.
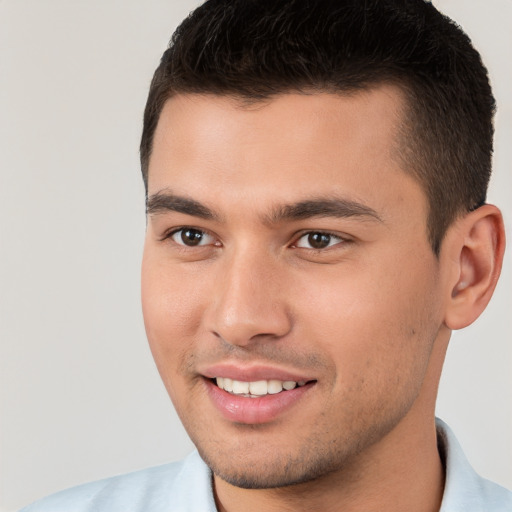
x,y
240,409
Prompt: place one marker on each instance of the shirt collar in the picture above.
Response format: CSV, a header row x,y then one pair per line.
x,y
465,490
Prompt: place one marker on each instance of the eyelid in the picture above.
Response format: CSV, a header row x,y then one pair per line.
x,y
169,234
341,239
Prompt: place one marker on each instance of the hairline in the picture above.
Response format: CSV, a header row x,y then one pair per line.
x,y
407,150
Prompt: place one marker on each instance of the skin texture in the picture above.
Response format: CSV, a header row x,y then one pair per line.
x,y
366,319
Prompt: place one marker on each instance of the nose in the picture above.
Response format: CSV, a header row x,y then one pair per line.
x,y
250,300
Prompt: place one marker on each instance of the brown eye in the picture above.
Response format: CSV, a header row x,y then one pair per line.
x,y
191,237
318,240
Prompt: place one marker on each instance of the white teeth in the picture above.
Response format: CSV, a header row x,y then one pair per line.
x,y
228,384
274,387
257,388
240,387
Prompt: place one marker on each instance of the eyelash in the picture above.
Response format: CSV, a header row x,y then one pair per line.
x,y
341,239
168,235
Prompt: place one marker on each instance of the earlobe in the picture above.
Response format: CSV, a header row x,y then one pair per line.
x,y
478,254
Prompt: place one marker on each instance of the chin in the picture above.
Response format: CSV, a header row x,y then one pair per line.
x,y
255,478
264,469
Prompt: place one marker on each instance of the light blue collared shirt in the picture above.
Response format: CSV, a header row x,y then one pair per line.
x,y
186,486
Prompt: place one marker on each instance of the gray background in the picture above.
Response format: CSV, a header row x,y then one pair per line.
x,y
80,398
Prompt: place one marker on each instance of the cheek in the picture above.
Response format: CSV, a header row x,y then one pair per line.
x,y
172,310
377,325
171,294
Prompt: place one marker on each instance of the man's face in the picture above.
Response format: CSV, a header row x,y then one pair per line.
x,y
286,248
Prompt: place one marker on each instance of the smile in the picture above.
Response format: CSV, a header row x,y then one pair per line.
x,y
258,388
262,398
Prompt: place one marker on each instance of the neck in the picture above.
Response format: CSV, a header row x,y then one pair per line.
x,y
400,473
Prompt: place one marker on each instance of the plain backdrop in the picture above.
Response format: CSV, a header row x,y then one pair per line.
x,y
80,396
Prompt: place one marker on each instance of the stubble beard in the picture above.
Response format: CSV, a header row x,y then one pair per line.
x,y
252,457
255,466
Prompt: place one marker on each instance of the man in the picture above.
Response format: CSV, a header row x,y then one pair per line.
x,y
316,176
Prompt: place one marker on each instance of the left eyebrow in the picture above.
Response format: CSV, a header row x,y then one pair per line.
x,y
323,207
166,201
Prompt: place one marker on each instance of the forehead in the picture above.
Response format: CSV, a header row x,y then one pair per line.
x,y
278,150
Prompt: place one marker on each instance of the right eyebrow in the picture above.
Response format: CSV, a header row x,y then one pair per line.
x,y
165,201
323,207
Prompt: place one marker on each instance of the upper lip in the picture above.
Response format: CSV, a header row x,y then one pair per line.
x,y
251,373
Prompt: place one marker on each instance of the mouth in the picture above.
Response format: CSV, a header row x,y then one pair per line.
x,y
257,388
259,400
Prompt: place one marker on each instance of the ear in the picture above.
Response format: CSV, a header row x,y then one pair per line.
x,y
476,250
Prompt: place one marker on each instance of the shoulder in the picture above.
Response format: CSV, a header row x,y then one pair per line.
x,y
175,486
496,497
465,490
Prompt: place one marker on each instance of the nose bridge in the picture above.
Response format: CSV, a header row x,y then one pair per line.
x,y
249,302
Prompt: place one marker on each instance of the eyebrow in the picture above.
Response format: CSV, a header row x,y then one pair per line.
x,y
162,202
323,207
165,201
